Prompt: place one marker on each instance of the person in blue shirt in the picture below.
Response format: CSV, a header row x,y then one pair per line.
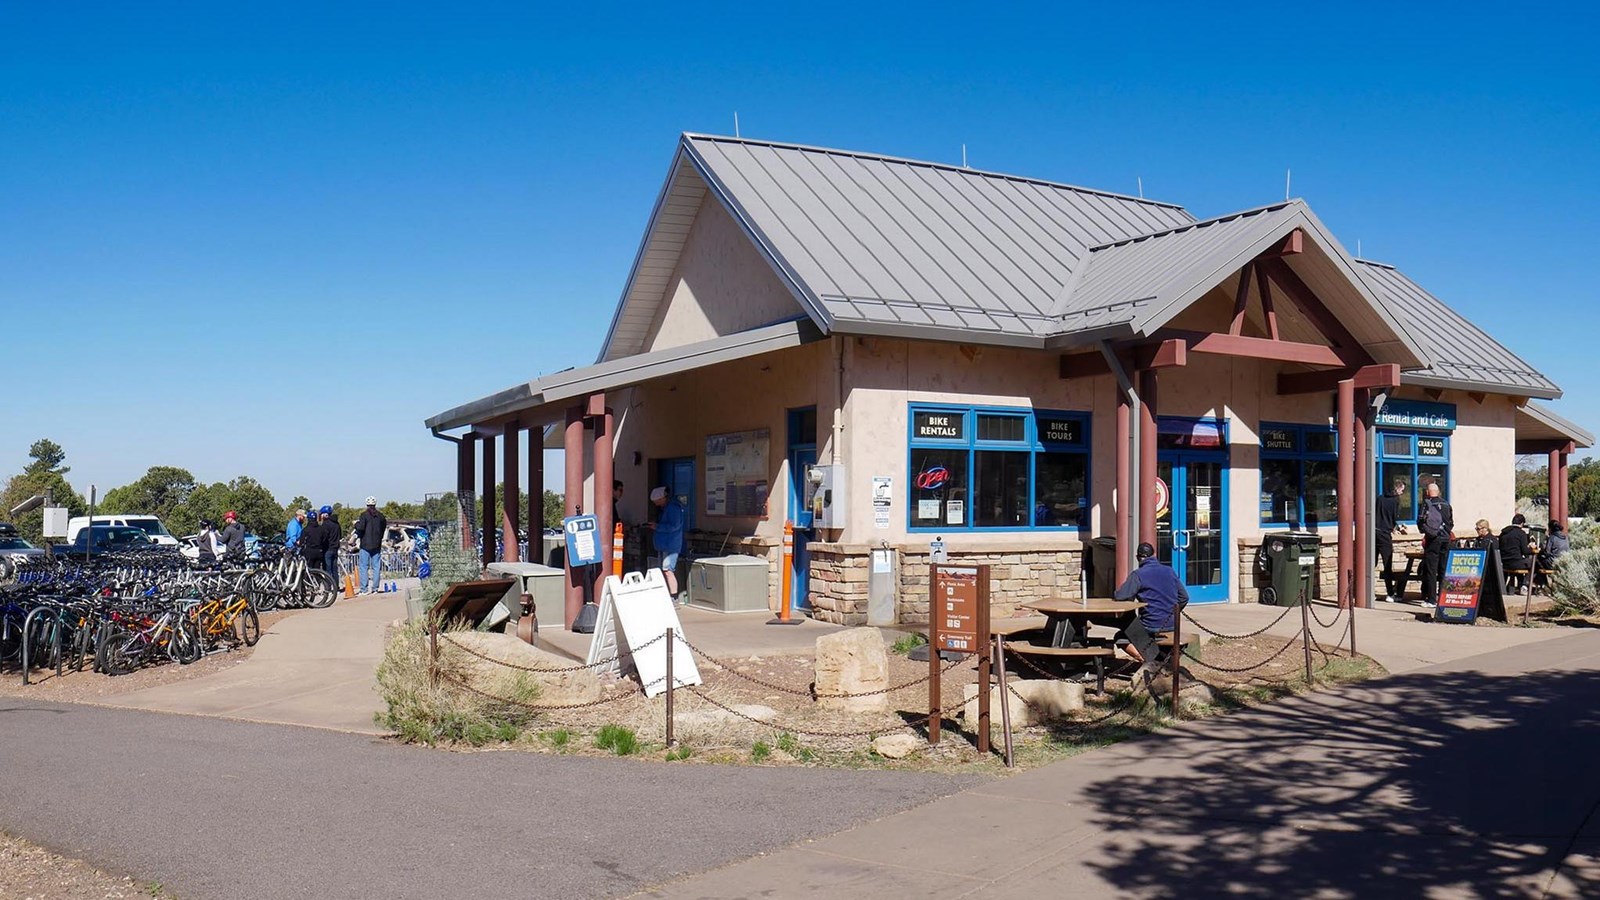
x,y
668,538
1155,584
291,532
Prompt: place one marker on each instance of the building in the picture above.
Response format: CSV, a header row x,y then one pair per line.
x,y
1016,367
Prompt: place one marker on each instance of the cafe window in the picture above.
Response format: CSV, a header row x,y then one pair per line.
x,y
1416,458
998,469
1299,475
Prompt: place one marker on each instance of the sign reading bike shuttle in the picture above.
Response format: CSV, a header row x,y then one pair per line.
x,y
958,609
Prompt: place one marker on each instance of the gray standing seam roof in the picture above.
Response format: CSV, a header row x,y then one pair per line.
x,y
1463,354
876,239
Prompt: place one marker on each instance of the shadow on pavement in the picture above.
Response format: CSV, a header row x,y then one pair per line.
x,y
1469,781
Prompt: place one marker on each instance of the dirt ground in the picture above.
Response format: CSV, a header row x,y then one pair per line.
x,y
89,685
30,872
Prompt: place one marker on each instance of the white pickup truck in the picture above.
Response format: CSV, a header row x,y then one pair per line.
x,y
150,525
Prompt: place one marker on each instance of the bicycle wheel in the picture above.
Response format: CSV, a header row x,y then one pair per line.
x,y
324,590
120,650
264,591
185,644
247,626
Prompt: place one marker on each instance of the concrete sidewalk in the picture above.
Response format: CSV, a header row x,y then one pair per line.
x,y
314,668
1470,779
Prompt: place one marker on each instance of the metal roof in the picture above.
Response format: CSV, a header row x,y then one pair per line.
x,y
569,384
1464,356
1535,421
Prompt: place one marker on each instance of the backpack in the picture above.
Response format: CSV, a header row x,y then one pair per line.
x,y
1433,520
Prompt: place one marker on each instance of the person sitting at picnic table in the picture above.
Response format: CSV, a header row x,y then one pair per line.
x,y
1155,584
1514,552
1555,544
1485,539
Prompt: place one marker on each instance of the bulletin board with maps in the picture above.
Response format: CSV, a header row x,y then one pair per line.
x,y
736,473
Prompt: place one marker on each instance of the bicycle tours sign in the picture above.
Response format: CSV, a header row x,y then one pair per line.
x,y
1464,572
958,622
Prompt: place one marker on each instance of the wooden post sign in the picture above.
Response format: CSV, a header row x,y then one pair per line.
x,y
958,621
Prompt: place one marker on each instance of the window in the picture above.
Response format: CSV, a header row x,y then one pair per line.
x,y
1002,469
1299,475
1416,460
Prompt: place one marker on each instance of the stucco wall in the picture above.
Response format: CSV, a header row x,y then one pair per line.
x,y
721,285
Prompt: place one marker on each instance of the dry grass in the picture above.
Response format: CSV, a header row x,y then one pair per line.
x,y
421,708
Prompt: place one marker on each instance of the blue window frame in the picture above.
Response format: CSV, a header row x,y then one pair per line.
x,y
1417,458
977,468
1299,474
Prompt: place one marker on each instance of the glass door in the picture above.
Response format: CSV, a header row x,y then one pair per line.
x,y
1191,531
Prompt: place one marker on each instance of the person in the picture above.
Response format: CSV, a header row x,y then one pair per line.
x,y
206,543
1155,584
330,541
668,537
1485,539
1555,544
1385,523
1515,553
1436,520
312,538
232,537
291,531
371,528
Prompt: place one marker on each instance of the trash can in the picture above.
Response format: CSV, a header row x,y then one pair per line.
x,y
1291,563
1102,566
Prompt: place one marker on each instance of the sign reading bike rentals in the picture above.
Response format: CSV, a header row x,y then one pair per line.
x,y
1463,582
948,426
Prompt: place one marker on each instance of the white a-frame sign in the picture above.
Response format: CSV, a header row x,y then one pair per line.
x,y
636,611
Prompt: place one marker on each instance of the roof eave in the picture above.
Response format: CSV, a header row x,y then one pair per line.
x,y
1438,382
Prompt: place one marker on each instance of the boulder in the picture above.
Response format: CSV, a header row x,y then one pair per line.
x,y
511,659
897,746
1043,700
852,661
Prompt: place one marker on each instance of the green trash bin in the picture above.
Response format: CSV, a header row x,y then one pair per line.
x,y
1290,559
1102,566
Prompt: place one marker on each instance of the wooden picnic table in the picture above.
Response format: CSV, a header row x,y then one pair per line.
x,y
1069,618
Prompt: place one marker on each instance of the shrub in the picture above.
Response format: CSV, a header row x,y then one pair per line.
x,y
1575,584
908,642
679,753
619,740
421,712
759,751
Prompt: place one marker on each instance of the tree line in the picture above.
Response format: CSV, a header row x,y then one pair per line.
x,y
1583,486
180,500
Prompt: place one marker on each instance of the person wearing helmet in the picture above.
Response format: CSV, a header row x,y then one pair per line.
x,y
1158,587
370,530
232,537
330,532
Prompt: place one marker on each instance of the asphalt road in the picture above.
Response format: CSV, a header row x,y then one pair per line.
x,y
218,808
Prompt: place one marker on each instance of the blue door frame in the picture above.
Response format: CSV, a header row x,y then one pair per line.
x,y
802,456
1192,536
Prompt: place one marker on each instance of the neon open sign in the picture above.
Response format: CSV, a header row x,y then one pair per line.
x,y
932,479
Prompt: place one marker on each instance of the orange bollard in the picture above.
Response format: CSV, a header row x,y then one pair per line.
x,y
616,550
786,576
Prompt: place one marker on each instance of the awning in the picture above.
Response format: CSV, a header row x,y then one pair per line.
x,y
1540,430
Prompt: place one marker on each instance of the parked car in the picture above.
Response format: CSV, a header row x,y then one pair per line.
x,y
105,539
150,525
15,551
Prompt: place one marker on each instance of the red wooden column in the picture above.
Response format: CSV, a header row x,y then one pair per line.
x,y
1147,457
1346,487
1553,471
1566,487
573,491
536,494
464,472
1363,544
604,429
486,500
1124,484
511,503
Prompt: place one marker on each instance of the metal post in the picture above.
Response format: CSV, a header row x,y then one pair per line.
x,y
670,680
464,490
1177,656
934,696
1305,634
1005,701
1147,457
1346,486
1363,529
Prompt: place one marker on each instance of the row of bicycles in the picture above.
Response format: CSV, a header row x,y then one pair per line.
x,y
119,612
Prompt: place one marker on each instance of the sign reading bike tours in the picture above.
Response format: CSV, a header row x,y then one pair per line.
x,y
1463,581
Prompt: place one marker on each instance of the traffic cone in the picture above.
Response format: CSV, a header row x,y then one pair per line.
x,y
349,586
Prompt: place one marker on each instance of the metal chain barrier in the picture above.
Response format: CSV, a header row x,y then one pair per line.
x,y
549,670
1237,637
806,693
533,707
868,732
1288,642
1338,612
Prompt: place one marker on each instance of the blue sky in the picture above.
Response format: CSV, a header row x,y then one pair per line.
x,y
273,241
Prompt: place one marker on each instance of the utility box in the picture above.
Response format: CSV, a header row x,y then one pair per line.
x,y
1290,559
826,496
543,582
729,584
55,522
883,587
553,549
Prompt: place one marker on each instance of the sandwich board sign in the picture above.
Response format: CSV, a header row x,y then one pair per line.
x,y
1464,572
635,611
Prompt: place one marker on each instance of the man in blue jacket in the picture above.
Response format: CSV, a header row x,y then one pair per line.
x,y
668,538
1161,590
291,532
